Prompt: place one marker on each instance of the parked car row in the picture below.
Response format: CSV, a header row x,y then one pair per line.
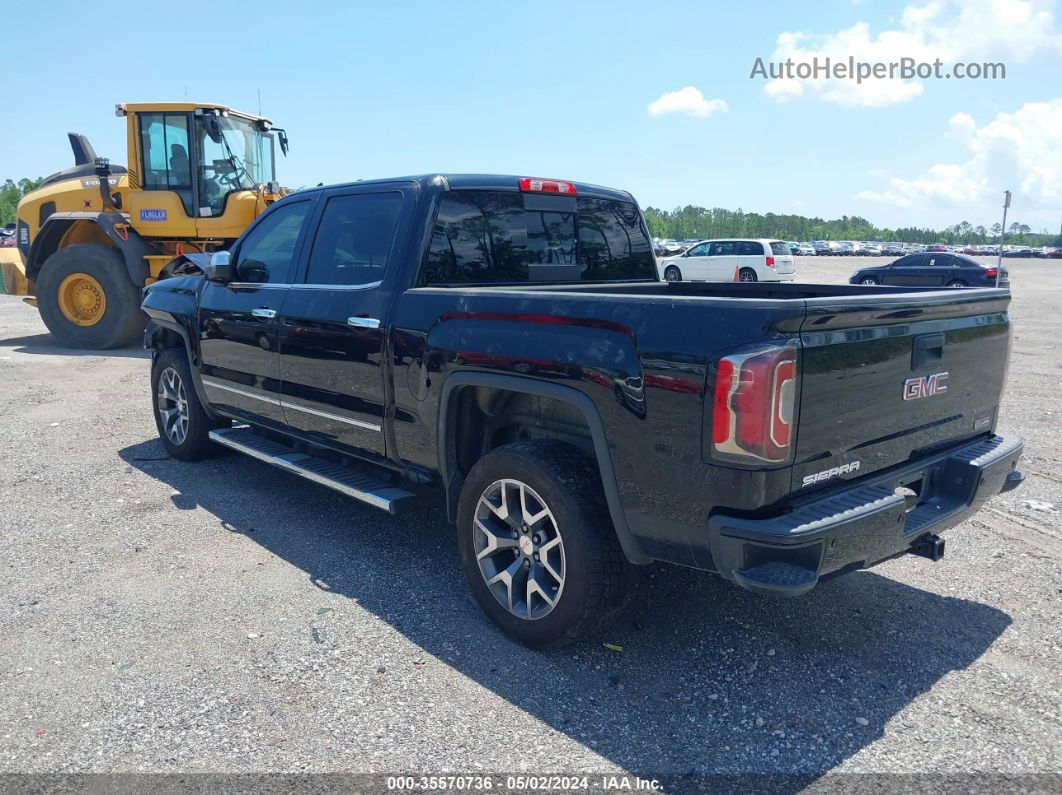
x,y
855,248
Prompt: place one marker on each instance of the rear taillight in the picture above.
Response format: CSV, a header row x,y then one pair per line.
x,y
538,185
991,272
770,262
754,405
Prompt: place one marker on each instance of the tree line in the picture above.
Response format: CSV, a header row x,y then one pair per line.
x,y
684,223
10,193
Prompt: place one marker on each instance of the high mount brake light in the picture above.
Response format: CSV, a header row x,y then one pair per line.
x,y
754,406
539,185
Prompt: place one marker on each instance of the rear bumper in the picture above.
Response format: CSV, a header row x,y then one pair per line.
x,y
863,525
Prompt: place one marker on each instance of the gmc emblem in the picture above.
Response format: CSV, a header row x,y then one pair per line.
x,y
925,386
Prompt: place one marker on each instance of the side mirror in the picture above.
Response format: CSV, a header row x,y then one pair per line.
x,y
213,127
219,268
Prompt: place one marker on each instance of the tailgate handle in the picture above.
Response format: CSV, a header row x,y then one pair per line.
x,y
927,349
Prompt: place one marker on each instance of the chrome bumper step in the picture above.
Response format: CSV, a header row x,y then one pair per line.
x,y
346,480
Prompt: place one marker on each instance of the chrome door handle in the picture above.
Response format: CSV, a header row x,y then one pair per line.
x,y
363,322
264,312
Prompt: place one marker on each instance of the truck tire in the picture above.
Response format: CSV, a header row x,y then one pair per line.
x,y
182,423
86,299
537,545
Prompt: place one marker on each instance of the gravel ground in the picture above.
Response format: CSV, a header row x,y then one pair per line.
x,y
158,616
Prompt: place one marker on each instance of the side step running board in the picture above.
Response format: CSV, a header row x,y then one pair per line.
x,y
370,490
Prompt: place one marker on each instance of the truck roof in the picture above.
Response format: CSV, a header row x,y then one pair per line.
x,y
502,182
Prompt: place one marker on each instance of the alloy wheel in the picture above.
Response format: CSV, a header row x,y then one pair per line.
x,y
172,402
519,549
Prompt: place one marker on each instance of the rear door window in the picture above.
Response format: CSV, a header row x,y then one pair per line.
x,y
354,239
509,237
750,248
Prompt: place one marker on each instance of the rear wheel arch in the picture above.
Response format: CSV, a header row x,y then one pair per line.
x,y
454,465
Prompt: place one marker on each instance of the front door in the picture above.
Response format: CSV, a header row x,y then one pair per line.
x,y
238,321
333,332
694,263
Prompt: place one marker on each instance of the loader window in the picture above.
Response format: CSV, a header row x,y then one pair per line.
x,y
241,159
164,142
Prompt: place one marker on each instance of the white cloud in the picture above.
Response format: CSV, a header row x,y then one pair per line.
x,y
1020,151
688,100
951,30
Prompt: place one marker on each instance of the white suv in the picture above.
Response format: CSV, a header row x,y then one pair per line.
x,y
731,260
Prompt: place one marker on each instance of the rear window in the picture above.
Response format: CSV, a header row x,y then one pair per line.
x,y
492,236
778,248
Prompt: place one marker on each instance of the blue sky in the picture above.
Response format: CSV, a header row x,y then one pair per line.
x,y
563,89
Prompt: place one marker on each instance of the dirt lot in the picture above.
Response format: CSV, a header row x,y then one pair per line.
x,y
158,616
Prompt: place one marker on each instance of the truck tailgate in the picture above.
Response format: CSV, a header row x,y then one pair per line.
x,y
885,379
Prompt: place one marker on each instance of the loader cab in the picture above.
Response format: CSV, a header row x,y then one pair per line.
x,y
204,172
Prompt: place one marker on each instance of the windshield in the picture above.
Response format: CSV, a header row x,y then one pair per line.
x,y
241,160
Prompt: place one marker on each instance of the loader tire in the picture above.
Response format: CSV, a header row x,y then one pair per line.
x,y
86,299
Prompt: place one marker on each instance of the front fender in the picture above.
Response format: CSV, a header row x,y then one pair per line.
x,y
172,306
114,225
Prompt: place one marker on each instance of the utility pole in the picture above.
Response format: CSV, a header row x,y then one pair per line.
x,y
1002,235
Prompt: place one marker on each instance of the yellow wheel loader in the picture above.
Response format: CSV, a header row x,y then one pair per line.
x,y
92,236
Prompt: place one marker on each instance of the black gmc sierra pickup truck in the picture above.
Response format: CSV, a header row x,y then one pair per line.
x,y
509,341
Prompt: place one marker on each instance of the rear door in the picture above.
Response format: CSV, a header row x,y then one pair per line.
x,y
238,323
890,378
750,254
333,333
940,269
722,261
